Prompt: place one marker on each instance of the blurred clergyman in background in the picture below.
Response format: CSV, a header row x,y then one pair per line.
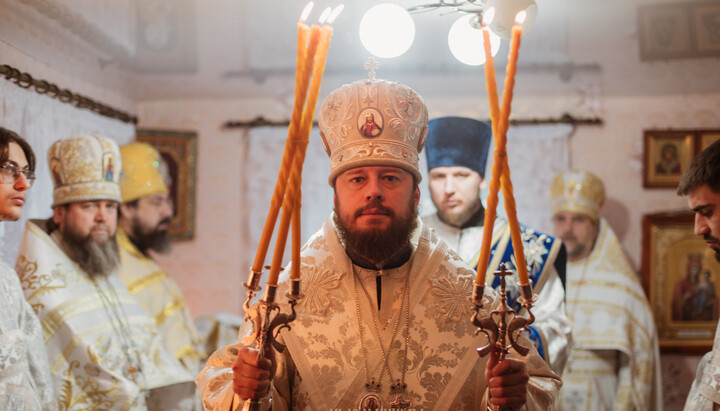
x,y
614,363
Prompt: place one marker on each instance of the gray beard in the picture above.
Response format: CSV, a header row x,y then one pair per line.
x,y
95,259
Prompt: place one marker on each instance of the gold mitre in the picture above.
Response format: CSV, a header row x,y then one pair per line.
x,y
577,192
85,168
141,174
373,123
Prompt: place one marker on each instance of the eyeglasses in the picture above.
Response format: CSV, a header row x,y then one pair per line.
x,y
11,172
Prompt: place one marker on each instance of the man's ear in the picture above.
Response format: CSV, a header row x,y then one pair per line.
x,y
125,211
58,214
483,183
416,195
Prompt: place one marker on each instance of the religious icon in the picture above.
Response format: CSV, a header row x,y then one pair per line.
x,y
694,296
371,402
370,123
667,154
684,290
108,167
669,162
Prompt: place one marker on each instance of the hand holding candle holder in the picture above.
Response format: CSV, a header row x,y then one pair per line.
x,y
503,326
265,315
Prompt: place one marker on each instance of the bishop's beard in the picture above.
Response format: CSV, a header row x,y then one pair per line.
x,y
376,246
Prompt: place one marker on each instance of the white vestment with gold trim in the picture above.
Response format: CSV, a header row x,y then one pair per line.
x,y
705,390
84,336
615,362
25,381
323,367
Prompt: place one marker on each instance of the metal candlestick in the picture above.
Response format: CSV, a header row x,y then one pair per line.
x,y
503,326
267,321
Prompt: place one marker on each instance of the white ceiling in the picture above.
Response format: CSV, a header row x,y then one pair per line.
x,y
167,49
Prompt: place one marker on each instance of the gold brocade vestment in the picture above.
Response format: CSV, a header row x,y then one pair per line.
x,y
162,299
82,331
614,364
323,366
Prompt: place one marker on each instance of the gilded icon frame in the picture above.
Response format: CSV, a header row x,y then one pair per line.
x,y
662,168
679,273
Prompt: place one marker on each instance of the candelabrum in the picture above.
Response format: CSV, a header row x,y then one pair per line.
x,y
503,326
267,320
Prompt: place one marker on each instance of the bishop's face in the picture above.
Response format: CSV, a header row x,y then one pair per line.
x,y
376,210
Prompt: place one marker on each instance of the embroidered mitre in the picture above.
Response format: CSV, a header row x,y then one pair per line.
x,y
373,123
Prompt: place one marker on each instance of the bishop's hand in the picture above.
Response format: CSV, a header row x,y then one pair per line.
x,y
252,375
507,381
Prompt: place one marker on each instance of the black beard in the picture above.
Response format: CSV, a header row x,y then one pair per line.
x,y
153,239
94,258
378,248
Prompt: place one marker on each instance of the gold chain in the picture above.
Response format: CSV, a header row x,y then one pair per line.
x,y
406,334
114,308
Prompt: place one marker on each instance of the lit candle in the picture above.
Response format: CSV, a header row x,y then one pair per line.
x,y
492,200
303,69
517,243
503,127
297,155
291,202
305,129
490,81
511,70
500,169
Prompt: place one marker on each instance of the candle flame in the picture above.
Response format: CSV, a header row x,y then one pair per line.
x,y
325,14
520,17
488,16
335,13
306,11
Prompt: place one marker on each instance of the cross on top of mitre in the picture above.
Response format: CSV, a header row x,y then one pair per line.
x,y
370,65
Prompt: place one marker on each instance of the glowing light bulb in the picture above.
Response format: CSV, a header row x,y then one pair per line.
x,y
465,40
387,30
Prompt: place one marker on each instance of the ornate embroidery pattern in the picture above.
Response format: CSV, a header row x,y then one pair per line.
x,y
451,305
374,150
36,285
77,390
318,282
534,249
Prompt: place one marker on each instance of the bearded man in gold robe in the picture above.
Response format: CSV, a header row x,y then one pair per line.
x,y
385,318
104,351
144,218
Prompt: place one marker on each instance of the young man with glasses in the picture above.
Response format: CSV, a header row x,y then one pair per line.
x,y
25,379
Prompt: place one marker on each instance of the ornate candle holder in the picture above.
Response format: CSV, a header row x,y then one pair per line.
x,y
267,320
503,326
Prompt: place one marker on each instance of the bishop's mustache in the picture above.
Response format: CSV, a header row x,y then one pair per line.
x,y
377,206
